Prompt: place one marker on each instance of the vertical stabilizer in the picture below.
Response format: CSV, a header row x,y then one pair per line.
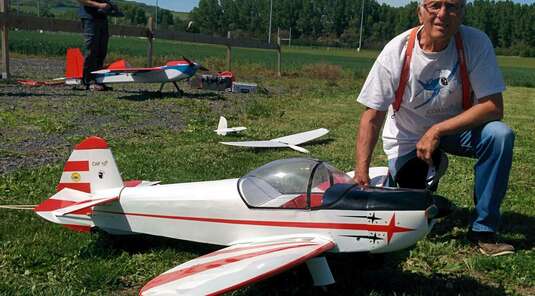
x,y
90,168
222,126
90,178
74,66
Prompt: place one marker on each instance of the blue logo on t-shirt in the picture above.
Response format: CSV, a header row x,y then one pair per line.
x,y
435,85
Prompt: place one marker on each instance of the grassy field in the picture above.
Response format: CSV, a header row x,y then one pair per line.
x,y
170,138
517,71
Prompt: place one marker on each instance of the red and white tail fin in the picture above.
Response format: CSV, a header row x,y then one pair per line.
x,y
91,168
90,178
74,66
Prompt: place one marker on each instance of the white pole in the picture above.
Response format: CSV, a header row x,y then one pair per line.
x,y
156,16
361,21
270,14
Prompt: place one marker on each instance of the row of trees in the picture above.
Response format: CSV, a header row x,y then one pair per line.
x,y
135,13
511,26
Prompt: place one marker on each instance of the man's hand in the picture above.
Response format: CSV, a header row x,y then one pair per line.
x,y
428,144
104,5
361,178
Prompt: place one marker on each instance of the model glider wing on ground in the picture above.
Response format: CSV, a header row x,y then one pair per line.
x,y
236,266
223,130
290,141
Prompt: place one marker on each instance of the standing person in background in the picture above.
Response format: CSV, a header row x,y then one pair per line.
x,y
95,30
440,89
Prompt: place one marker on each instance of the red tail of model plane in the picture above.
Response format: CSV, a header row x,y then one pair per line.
x,y
74,68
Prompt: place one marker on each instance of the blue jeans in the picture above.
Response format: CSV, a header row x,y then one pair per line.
x,y
96,36
492,145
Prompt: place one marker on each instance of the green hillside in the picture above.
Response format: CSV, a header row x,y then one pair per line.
x,y
135,13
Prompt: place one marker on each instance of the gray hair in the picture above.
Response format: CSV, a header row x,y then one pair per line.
x,y
463,2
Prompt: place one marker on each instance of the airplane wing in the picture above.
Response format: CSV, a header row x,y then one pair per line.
x,y
303,137
258,144
129,70
235,266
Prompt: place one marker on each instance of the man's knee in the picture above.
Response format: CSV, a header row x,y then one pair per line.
x,y
499,133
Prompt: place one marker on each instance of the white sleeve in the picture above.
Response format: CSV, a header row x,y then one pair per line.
x,y
378,90
485,75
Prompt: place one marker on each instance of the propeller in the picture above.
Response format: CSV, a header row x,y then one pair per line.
x,y
193,64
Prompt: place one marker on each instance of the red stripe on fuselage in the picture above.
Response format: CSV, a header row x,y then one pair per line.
x,y
76,166
188,271
317,225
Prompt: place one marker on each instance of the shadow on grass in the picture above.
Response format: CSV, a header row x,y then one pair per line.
x,y
363,274
155,95
516,229
355,274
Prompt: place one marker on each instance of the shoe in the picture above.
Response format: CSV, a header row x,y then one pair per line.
x,y
487,244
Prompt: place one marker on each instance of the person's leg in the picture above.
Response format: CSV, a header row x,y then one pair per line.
x,y
102,39
492,146
91,47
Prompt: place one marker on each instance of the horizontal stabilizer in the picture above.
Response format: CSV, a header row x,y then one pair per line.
x,y
235,266
85,205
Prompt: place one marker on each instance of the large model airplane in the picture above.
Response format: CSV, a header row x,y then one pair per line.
x,y
120,72
223,130
277,216
290,141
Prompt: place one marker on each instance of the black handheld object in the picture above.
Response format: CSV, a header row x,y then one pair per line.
x,y
111,10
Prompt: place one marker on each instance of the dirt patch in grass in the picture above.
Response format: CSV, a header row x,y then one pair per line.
x,y
38,125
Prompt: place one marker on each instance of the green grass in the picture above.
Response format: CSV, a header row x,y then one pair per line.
x,y
517,71
39,258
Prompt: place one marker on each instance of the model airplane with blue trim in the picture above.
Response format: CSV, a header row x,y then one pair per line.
x,y
120,72
275,217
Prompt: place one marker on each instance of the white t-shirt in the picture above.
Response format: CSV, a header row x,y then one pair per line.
x,y
433,92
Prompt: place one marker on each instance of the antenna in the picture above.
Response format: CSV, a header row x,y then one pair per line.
x,y
361,21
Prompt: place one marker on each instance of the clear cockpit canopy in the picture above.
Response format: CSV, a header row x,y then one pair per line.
x,y
294,183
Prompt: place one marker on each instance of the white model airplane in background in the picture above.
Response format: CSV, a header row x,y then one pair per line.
x,y
288,141
223,130
280,215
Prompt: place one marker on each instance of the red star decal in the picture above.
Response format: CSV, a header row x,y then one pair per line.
x,y
392,229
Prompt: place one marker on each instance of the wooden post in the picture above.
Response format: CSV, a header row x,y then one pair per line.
x,y
279,56
150,37
4,7
229,54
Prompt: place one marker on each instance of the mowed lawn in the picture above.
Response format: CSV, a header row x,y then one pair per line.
x,y
170,138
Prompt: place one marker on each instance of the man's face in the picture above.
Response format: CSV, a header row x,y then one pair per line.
x,y
441,18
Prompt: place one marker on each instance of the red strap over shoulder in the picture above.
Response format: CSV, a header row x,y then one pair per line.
x,y
404,77
465,80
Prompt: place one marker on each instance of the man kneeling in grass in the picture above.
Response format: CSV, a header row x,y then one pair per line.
x,y
440,89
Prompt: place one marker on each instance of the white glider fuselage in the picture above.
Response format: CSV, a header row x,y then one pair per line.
x,y
214,212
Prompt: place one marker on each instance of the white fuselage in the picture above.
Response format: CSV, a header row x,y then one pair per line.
x,y
213,212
